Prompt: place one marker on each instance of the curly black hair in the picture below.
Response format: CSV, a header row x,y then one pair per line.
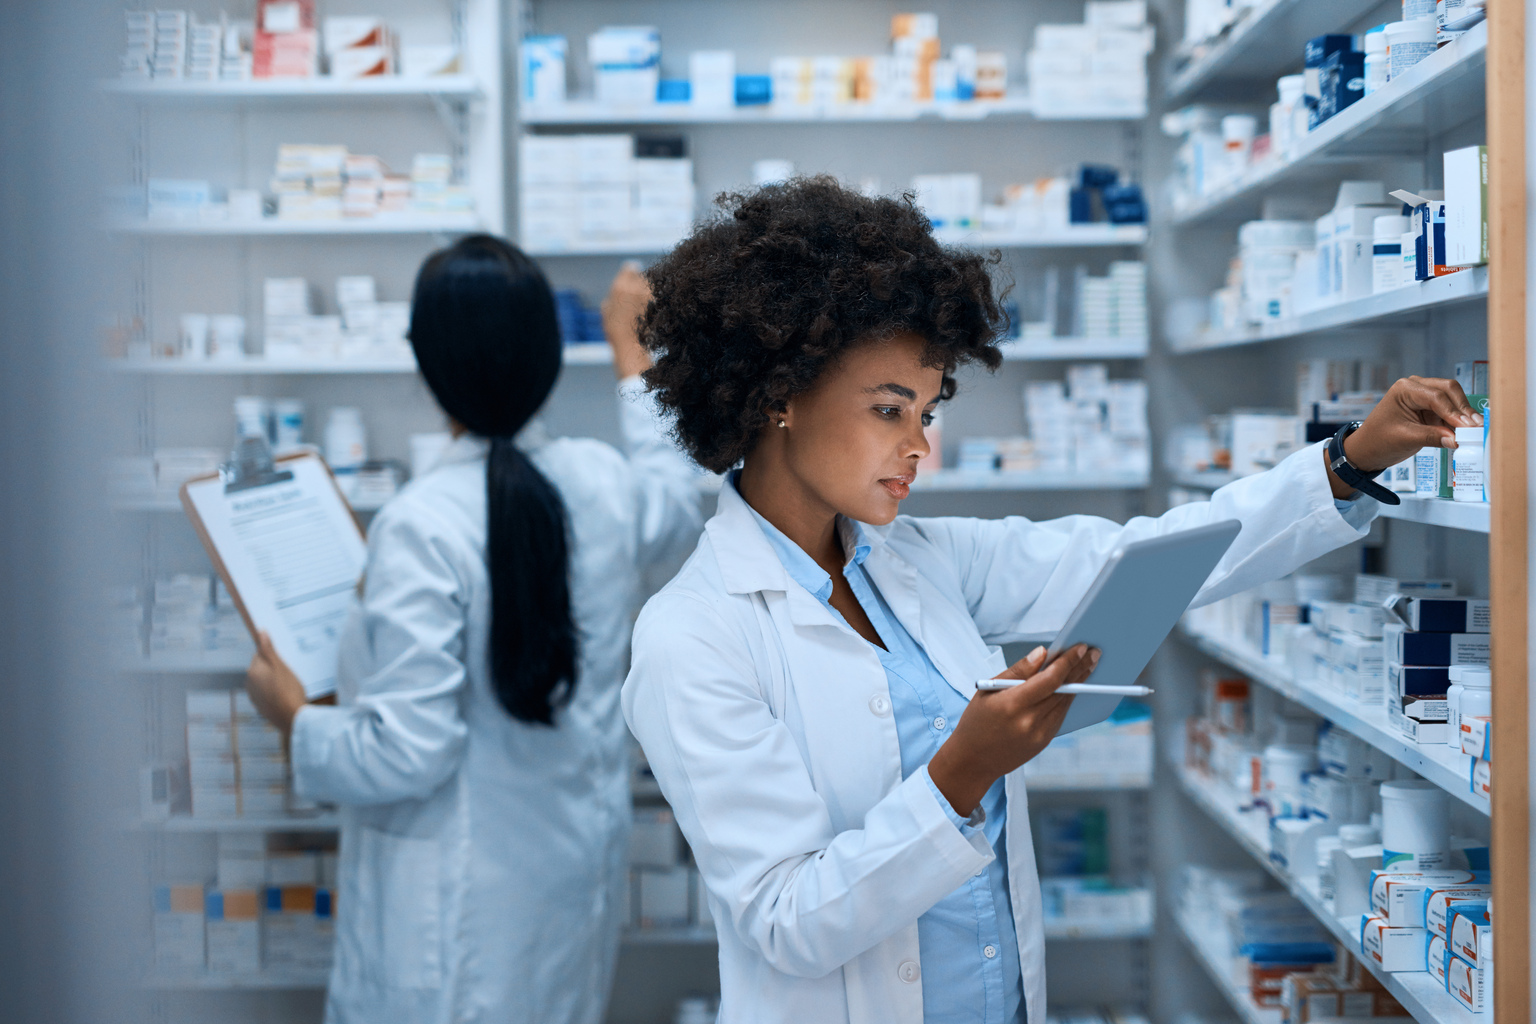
x,y
750,309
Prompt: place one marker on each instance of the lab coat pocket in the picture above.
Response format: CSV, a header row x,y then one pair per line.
x,y
994,663
398,908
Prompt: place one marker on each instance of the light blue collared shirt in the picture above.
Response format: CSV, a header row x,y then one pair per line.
x,y
967,947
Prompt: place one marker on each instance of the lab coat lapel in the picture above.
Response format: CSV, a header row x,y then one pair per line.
x,y
916,603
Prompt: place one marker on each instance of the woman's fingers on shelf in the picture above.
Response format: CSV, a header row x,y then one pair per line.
x,y
1445,399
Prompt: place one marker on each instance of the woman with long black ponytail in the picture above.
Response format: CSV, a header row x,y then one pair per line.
x,y
478,751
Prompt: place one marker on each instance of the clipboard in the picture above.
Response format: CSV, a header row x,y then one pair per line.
x,y
290,549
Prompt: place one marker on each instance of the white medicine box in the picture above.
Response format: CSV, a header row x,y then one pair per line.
x,y
1393,949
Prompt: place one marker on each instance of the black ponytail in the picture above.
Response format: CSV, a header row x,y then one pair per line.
x,y
487,340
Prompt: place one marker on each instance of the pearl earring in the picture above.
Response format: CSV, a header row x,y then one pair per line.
x,y
781,423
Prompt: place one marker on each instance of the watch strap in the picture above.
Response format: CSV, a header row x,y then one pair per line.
x,y
1353,475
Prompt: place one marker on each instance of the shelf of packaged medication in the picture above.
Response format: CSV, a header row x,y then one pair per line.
x,y
1058,929
948,480
1472,516
589,112
1072,236
681,936
190,823
384,224
1417,991
1384,309
1265,44
390,86
1440,92
1043,349
226,982
1437,763
1085,782
1220,970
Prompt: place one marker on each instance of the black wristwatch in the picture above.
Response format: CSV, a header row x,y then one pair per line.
x,y
1352,475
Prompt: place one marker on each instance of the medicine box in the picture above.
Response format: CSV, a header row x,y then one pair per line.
x,y
1377,590
1445,615
1418,680
1397,897
1363,620
1391,948
234,931
1439,903
1477,737
1471,933
1480,777
1403,646
1435,957
1293,841
1420,720
178,928
1466,207
1467,984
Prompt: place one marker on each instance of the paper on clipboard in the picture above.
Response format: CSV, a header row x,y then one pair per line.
x,y
291,553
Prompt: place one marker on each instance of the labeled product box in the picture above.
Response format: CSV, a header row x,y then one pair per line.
x,y
178,929
1477,737
1403,646
1466,206
1467,984
1293,841
1444,615
1480,777
1439,903
1377,590
1436,956
234,931
1391,948
299,927
1420,720
1363,620
1397,897
1418,680
1471,934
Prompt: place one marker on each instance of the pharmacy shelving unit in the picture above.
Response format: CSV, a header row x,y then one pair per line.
x,y
228,133
1006,141
1397,134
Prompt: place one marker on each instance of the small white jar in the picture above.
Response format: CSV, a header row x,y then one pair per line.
x,y
1377,63
346,439
1409,42
1467,465
1476,697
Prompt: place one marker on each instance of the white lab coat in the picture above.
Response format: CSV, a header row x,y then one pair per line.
x,y
482,859
767,722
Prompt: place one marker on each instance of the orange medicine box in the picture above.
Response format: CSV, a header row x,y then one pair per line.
x,y
1471,933
1467,984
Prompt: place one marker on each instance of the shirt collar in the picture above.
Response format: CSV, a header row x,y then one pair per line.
x,y
802,568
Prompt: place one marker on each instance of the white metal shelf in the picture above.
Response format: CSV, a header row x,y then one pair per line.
x,y
574,113
276,823
463,87
1472,516
1073,236
1417,991
1405,306
1436,762
1047,349
1263,45
958,480
267,980
1220,970
1086,782
577,354
382,224
1440,92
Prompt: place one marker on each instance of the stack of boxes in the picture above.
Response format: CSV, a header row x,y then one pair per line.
x,y
1089,425
1098,65
1434,921
431,191
286,43
326,182
237,766
359,47
1433,631
594,190
160,42
1122,745
265,911
951,201
194,614
665,890
365,329
1113,306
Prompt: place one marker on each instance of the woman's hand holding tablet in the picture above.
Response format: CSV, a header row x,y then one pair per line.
x,y
1001,729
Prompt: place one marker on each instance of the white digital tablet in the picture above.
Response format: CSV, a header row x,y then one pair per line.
x,y
1134,604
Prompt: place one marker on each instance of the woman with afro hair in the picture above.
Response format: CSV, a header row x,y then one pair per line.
x,y
805,688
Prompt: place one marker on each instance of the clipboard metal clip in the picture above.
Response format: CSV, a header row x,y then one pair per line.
x,y
251,465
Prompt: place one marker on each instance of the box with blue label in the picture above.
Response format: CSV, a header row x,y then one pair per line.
x,y
1398,897
1470,934
1444,614
1477,737
1440,902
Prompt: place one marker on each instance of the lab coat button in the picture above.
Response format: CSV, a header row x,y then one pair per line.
x,y
880,704
940,722
989,951
908,971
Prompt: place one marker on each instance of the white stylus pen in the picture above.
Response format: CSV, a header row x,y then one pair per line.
x,y
1108,691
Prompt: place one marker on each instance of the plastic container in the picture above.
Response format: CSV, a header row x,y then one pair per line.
x,y
1387,253
1415,9
1377,63
1409,42
1426,473
1415,826
1285,768
287,424
195,328
253,417
1352,836
346,439
1326,845
1467,465
1476,697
